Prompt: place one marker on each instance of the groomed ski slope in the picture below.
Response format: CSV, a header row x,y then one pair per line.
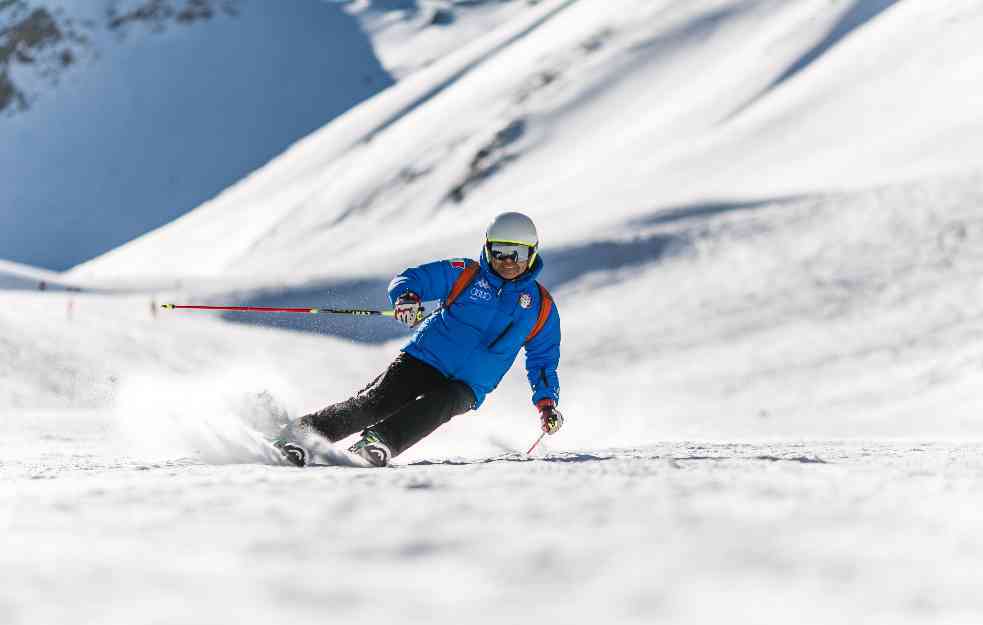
x,y
763,230
809,533
695,479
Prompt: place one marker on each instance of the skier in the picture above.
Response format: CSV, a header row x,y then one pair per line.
x,y
459,353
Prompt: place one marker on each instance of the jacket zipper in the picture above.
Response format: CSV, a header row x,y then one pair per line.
x,y
545,379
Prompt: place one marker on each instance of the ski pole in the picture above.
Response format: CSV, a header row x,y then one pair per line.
x,y
534,445
310,311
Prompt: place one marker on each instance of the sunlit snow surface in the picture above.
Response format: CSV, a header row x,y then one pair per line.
x,y
681,533
761,222
850,315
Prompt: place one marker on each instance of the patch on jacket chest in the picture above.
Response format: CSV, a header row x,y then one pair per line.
x,y
477,293
525,300
481,290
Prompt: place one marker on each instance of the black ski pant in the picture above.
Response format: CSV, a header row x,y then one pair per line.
x,y
407,402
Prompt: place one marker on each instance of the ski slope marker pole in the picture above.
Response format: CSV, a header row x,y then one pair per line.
x,y
534,445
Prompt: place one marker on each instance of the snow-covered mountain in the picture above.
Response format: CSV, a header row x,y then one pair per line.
x,y
120,116
650,144
684,161
117,116
761,222
412,34
597,118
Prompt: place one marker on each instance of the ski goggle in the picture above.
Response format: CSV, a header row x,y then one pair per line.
x,y
515,252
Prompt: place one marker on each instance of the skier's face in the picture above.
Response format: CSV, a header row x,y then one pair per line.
x,y
509,268
508,258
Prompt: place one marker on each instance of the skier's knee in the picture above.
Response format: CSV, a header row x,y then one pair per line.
x,y
461,398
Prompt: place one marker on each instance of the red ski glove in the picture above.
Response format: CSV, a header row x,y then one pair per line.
x,y
551,418
408,309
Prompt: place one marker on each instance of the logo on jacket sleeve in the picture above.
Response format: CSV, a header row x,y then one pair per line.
x,y
525,300
458,264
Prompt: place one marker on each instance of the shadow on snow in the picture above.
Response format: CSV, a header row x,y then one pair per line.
x,y
675,229
515,457
862,12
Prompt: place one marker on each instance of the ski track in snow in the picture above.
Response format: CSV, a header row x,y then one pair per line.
x,y
805,532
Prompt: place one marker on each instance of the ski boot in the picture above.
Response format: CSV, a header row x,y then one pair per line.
x,y
372,448
292,452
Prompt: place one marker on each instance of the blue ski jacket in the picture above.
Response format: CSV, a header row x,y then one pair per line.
x,y
477,338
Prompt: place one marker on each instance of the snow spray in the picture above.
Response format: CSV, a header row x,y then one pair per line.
x,y
217,418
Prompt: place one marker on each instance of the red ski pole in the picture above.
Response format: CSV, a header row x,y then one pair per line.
x,y
534,445
269,309
358,312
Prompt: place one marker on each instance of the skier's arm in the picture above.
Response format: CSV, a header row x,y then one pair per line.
x,y
542,359
431,281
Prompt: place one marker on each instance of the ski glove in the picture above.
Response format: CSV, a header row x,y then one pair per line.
x,y
408,309
550,416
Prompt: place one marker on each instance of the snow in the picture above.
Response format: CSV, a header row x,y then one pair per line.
x,y
20,276
409,35
148,124
155,117
631,87
761,226
683,533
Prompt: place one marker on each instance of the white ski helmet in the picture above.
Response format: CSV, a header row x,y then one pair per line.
x,y
515,229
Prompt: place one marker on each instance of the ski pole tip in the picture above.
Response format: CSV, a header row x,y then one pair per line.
x,y
536,444
167,306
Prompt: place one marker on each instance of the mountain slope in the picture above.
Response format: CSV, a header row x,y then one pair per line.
x,y
163,106
594,117
760,221
736,222
754,269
